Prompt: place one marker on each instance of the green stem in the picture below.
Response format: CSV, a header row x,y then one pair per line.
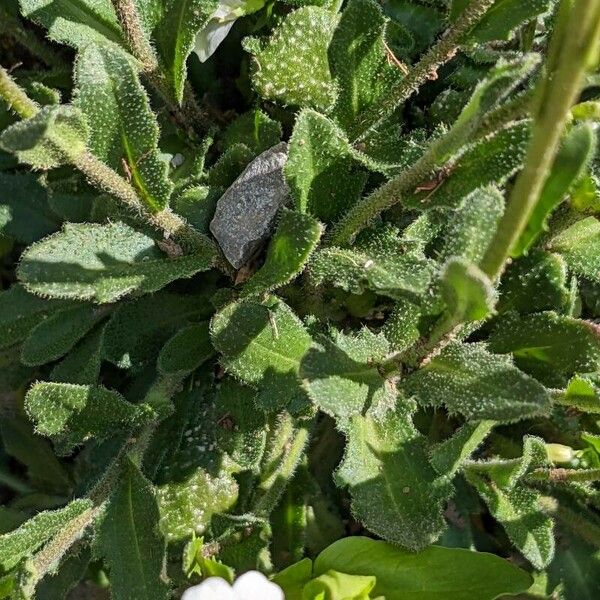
x,y
573,46
15,97
425,69
565,475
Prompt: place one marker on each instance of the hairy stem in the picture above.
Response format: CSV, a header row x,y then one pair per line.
x,y
425,69
574,43
15,97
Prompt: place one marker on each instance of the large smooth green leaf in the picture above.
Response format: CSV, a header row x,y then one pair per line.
x,y
435,573
296,237
102,263
469,380
123,128
129,541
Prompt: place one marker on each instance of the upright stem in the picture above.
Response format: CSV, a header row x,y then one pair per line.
x,y
574,44
15,97
425,69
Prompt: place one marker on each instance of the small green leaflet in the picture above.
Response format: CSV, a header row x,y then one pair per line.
x,y
281,73
186,350
320,169
102,263
469,380
175,34
395,491
70,414
402,575
128,539
25,540
122,124
340,585
254,129
290,247
577,149
55,136
582,394
75,22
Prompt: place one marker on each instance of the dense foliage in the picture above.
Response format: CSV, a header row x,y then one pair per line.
x,y
395,394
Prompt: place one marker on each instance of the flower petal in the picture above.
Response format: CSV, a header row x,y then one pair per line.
x,y
210,37
213,588
255,586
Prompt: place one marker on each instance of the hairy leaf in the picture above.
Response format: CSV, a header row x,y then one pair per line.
x,y
186,350
255,130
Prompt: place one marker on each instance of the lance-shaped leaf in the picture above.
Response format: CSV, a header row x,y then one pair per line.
x,y
320,169
341,375
102,263
259,340
57,586
395,491
129,541
24,211
25,540
123,128
579,245
186,350
469,380
75,22
280,72
434,573
359,61
175,34
296,237
566,344
70,414
577,149
57,334
53,137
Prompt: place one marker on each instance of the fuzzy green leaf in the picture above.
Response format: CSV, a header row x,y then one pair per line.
x,y
186,350
24,541
579,245
75,22
582,394
281,72
255,130
102,263
70,414
469,380
319,168
53,137
296,237
395,492
122,125
175,34
577,149
72,569
129,541
57,334
435,573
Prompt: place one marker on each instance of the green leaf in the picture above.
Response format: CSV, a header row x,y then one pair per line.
x,y
296,237
260,339
27,539
255,130
70,414
469,380
435,573
55,136
75,22
467,291
359,61
341,375
122,125
577,149
568,345
280,72
57,334
186,350
129,541
138,330
582,394
320,169
395,492
293,578
175,34
71,570
333,585
579,245
102,263
24,212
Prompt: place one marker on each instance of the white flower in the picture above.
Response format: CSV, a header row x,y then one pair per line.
x,y
250,586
